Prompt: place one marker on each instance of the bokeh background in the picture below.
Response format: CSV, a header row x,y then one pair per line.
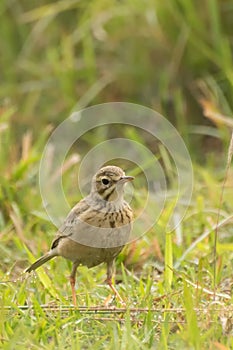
x,y
168,56
174,56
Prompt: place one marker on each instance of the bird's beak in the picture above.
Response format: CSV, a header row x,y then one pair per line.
x,y
124,179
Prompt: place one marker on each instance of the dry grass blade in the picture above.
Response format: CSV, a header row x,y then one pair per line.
x,y
211,112
26,145
201,238
18,224
69,163
111,310
48,10
229,159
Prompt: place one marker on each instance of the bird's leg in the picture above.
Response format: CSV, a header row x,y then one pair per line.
x,y
109,282
72,283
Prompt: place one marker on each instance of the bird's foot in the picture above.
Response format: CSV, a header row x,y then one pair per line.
x,y
116,293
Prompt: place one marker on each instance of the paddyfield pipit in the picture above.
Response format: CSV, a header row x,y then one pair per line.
x,y
96,229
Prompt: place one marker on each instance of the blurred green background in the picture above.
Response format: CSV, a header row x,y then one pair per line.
x,y
165,55
174,56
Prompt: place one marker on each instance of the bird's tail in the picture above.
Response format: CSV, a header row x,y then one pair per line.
x,y
41,261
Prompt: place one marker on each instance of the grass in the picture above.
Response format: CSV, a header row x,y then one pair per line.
x,y
169,309
174,57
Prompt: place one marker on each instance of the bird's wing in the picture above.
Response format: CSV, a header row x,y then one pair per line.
x,y
67,227
85,226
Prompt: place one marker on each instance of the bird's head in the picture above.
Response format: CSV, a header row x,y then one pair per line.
x,y
109,183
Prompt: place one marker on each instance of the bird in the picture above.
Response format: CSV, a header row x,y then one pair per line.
x,y
96,229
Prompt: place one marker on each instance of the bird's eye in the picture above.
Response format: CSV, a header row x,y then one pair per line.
x,y
105,181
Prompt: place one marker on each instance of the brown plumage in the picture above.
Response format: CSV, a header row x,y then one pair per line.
x,y
96,229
